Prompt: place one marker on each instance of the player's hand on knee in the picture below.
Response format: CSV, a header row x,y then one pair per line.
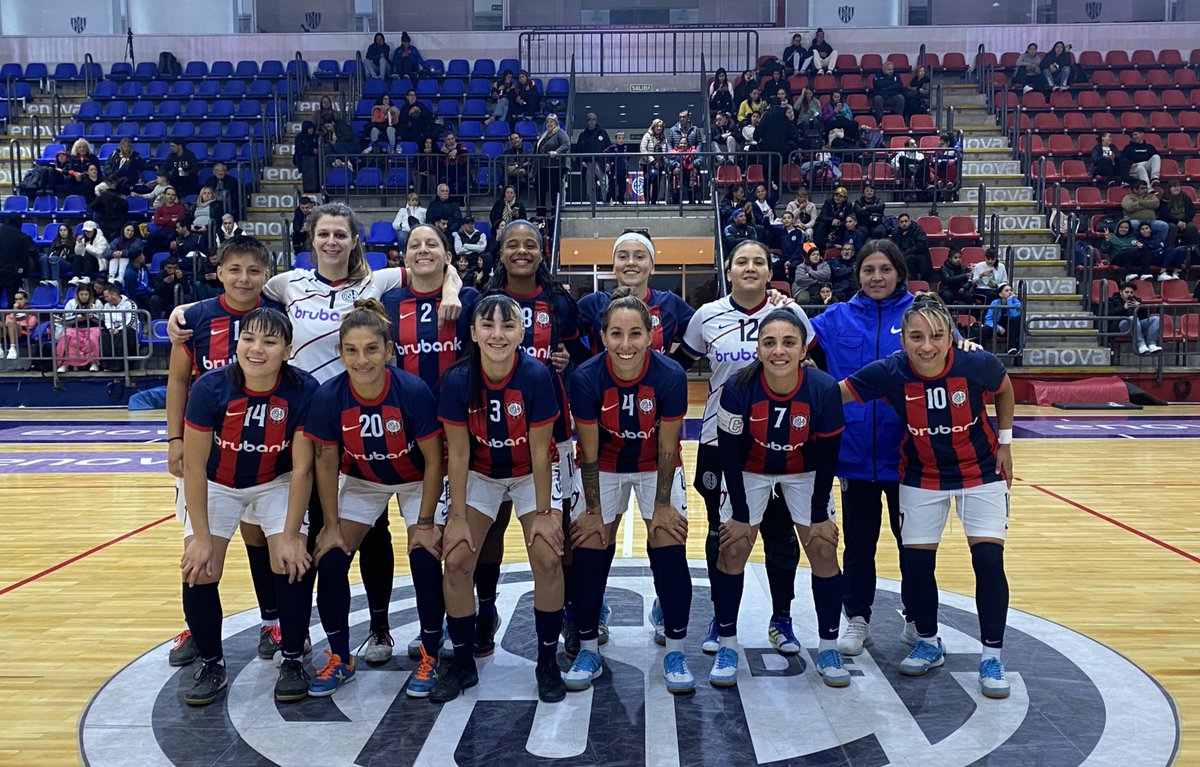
x,y
589,523
294,561
196,561
457,533
825,531
548,527
428,537
670,522
330,538
734,533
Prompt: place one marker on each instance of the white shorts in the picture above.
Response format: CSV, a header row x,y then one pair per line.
x,y
983,511
485,494
262,505
797,490
615,490
364,502
568,474
180,501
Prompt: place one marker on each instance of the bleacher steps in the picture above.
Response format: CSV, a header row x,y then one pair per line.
x,y
995,193
1008,167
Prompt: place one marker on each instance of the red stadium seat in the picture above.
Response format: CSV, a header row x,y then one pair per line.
x,y
1180,144
972,255
1077,122
1162,122
824,83
1131,78
797,83
1059,145
1169,58
954,62
897,142
729,175
853,84
1096,288
1186,78
754,175
1172,99
1104,79
962,229
1091,60
918,286
1117,58
1052,173
852,174
1194,98
1087,142
1142,58
1189,121
1088,198
1034,101
1121,140
1174,292
931,62
1075,171
1037,147
1046,122
1062,101
894,124
1159,78
1104,121
1144,291
1021,120
938,256
1009,60
900,62
881,174
1090,101
1117,100
1116,194
1169,170
1131,121
921,124
1194,59
1064,198
846,62
932,226
871,63
1189,326
928,142
1146,99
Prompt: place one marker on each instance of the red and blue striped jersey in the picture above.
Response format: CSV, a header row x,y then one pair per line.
x,y
252,431
378,438
783,428
669,317
948,443
629,412
542,314
499,426
215,327
421,347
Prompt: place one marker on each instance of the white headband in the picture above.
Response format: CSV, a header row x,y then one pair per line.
x,y
635,237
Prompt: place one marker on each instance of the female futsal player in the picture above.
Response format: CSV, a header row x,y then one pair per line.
x,y
499,406
243,268
779,425
376,426
237,461
629,403
726,332
951,452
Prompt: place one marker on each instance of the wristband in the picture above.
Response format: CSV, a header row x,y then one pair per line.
x,y
1004,436
425,525
172,439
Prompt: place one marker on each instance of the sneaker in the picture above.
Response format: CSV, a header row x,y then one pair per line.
x,y
1143,349
425,678
278,659
62,368
1146,277
292,683
724,670
453,681
923,656
587,666
209,680
551,688
445,649
1027,89
269,641
657,620
1153,348
711,642
12,355
1164,276
377,650
1130,277
855,637
605,614
570,636
679,677
184,651
94,368
485,638
782,637
832,669
333,676
991,679
909,635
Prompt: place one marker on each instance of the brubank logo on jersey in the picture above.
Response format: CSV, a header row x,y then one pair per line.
x,y
380,456
740,355
247,447
538,353
941,431
432,347
209,363
500,444
319,315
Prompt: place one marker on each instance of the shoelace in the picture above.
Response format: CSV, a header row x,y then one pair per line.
x,y
293,667
856,629
992,669
383,637
425,669
275,632
923,650
831,659
206,670
185,635
727,658
784,627
332,661
676,663
587,661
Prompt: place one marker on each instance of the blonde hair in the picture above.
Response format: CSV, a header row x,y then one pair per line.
x,y
657,122
80,142
358,269
929,306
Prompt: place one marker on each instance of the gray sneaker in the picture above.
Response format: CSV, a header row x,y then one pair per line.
x,y
377,650
269,641
292,683
184,651
209,680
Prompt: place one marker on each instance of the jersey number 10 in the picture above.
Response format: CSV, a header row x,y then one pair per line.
x,y
935,399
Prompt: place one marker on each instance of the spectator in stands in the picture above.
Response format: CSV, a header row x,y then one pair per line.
x,y
429,166
136,281
947,159
810,273
831,223
791,244
416,121
469,240
774,85
1169,260
1134,319
1122,249
887,92
593,140
917,92
1143,159
720,93
684,128
123,248
61,173
826,295
207,209
1002,322
325,111
954,281
111,210
124,167
304,156
526,101
1107,163
406,60
914,246
988,275
841,273
518,166
444,207
226,188
821,56
181,169
228,228
733,200
82,157
552,146
61,250
616,167
506,210
738,230
1141,205
454,164
836,114
804,211
304,206
472,270
754,104
653,150
204,268
169,212
681,167
120,329
911,166
402,223
385,121
764,206
870,211
91,250
1177,210
749,132
19,324
794,56
79,341
185,242
376,61
852,234
18,257
338,139
724,139
1056,67
499,97
1028,69
741,89
170,288
89,182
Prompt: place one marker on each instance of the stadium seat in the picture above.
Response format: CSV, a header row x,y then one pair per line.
x,y
381,234
932,226
221,70
962,229
1176,292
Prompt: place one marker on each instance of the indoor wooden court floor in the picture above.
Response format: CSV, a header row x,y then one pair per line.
x,y
1104,539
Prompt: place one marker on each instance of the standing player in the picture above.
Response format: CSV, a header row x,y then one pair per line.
x,y
779,425
726,332
629,404
240,423
243,266
378,426
499,406
950,451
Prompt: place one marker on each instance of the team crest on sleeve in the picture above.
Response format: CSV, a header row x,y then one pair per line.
x,y
799,421
278,414
646,405
392,425
515,410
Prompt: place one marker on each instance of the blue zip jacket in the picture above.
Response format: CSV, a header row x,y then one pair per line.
x,y
852,335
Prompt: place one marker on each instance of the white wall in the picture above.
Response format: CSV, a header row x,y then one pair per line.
x,y
829,14
194,17
56,17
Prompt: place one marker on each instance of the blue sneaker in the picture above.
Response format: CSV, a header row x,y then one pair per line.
x,y
679,677
782,637
724,670
425,678
656,618
587,666
923,656
329,679
991,679
711,643
831,668
605,614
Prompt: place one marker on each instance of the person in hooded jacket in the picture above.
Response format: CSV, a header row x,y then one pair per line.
x,y
304,156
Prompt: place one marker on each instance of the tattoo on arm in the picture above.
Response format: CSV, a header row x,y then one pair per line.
x,y
590,474
666,476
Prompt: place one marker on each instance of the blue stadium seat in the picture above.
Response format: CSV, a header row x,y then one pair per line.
x,y
436,67
293,66
234,89
558,87
144,110
483,68
45,206
130,90
195,110
474,109
17,203
220,70
221,110
483,178
208,89
50,150
143,148
44,297
36,72
408,147
195,70
246,69
249,109
139,207
447,108
427,87
397,178
98,131
156,261
327,68
115,110
70,132
157,89
92,70
104,90
160,152
65,72
222,151
349,67
182,130
168,110
127,130
73,205
373,89
525,128
458,68
381,233
106,151
200,150
182,90
247,153
261,89
453,89
11,70
49,232
376,260
272,69
30,230
145,70
120,70
154,131
470,130
497,129
303,260
208,130
479,88
237,130
492,149
509,65
337,180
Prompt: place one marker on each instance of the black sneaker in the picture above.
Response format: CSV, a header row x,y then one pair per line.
x,y
485,636
551,688
209,681
570,636
454,680
292,684
269,641
184,651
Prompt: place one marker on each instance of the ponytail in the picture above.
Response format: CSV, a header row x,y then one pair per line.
x,y
367,313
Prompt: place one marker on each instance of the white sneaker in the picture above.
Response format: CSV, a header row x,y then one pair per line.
x,y
831,669
855,637
1143,349
94,367
377,650
1130,277
12,353
909,636
1163,276
1027,89
1147,277
1153,348
62,368
991,679
724,670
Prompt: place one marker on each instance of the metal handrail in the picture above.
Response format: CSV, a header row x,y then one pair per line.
x,y
994,232
15,169
641,51
43,335
88,82
868,160
979,66
921,55
981,209
938,101
556,242
301,80
719,248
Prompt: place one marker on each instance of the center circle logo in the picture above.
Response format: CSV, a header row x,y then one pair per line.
x,y
1074,701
